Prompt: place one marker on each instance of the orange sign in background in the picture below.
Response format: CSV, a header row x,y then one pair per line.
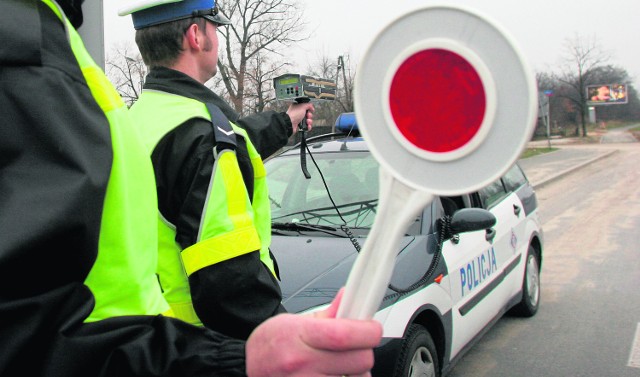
x,y
607,94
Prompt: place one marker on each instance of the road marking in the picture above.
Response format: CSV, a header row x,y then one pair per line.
x,y
634,358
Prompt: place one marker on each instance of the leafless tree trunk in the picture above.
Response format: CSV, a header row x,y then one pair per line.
x,y
583,58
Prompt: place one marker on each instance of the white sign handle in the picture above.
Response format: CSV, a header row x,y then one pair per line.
x,y
398,207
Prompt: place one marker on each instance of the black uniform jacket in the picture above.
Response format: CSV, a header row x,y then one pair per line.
x,y
236,295
55,161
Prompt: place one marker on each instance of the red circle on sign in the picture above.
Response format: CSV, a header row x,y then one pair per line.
x,y
437,100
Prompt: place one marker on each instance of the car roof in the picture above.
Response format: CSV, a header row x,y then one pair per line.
x,y
331,142
334,142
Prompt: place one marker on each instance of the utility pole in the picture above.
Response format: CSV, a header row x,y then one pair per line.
x,y
339,67
545,110
347,104
92,30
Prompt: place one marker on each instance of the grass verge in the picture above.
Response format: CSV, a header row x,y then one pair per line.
x,y
530,152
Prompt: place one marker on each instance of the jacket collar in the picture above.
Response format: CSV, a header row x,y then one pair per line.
x,y
175,82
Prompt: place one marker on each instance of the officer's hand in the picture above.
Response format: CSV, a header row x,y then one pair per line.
x,y
312,345
297,111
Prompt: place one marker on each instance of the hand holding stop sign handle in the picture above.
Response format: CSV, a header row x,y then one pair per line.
x,y
446,104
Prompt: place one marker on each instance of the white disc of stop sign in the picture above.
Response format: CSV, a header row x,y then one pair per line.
x,y
445,100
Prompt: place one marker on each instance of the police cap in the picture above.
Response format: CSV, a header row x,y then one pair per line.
x,y
147,13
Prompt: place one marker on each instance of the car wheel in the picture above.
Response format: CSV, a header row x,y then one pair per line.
x,y
528,306
418,356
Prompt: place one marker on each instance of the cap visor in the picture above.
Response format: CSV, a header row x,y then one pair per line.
x,y
218,19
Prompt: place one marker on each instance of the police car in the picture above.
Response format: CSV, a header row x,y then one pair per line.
x,y
463,263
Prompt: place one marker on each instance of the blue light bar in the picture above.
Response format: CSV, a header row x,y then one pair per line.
x,y
347,123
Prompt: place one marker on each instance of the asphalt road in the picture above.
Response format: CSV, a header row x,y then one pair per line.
x,y
545,168
588,323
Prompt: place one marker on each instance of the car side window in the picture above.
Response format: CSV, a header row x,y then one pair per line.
x,y
450,204
492,194
514,179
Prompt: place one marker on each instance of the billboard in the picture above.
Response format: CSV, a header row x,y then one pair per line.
x,y
606,94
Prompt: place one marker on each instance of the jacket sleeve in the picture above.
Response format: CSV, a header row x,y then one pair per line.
x,y
268,131
233,297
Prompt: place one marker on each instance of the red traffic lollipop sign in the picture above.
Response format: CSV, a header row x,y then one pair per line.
x,y
447,104
458,94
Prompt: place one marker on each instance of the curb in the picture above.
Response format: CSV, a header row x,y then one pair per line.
x,y
572,169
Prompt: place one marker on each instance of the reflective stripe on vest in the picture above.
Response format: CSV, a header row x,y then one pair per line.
x,y
123,279
231,224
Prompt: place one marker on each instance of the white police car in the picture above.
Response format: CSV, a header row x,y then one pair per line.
x,y
462,264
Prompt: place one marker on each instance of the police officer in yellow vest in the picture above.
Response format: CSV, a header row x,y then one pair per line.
x,y
78,241
79,294
215,266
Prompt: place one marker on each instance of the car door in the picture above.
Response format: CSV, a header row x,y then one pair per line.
x,y
516,182
473,273
507,240
524,206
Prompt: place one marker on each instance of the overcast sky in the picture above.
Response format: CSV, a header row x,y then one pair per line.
x,y
539,28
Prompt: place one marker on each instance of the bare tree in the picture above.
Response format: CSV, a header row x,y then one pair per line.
x,y
253,45
259,92
580,63
126,70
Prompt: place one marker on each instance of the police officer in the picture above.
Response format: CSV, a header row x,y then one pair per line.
x,y
77,257
78,239
215,267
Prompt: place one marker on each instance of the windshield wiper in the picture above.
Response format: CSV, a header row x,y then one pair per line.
x,y
305,226
325,212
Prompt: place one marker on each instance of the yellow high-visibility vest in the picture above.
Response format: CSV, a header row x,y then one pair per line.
x,y
231,224
123,279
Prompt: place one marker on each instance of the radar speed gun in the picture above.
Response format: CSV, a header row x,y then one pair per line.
x,y
301,89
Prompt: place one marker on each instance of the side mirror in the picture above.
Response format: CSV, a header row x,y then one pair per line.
x,y
471,220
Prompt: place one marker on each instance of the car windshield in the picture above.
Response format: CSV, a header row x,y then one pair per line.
x,y
342,190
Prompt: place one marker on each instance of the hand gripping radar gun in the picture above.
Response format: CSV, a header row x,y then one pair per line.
x,y
446,104
302,89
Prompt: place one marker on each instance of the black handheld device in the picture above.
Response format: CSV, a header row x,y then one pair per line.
x,y
303,89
